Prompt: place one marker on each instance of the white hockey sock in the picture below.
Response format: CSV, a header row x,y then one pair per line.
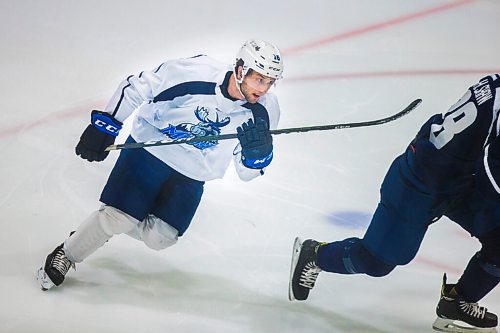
x,y
99,227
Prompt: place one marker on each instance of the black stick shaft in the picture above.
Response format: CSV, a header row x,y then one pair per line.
x,y
167,142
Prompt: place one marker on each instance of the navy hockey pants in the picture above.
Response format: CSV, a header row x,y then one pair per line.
x,y
140,184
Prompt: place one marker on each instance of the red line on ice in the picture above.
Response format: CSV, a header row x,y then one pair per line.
x,y
378,26
434,265
379,74
7,132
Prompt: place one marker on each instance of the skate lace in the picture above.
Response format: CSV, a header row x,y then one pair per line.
x,y
473,309
61,263
309,275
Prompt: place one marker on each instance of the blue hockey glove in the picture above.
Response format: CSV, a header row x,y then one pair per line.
x,y
101,133
256,144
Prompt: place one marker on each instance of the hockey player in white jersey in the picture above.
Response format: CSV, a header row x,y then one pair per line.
x,y
152,193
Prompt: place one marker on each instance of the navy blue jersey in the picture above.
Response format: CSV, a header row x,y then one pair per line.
x,y
452,147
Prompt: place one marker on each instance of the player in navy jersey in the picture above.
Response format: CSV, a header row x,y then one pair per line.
x,y
153,193
452,169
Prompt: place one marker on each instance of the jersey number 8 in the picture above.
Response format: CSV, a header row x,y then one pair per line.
x,y
460,116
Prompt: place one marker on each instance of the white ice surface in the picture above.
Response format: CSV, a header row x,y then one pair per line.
x,y
345,61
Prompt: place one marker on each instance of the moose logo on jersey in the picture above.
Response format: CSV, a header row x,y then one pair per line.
x,y
205,127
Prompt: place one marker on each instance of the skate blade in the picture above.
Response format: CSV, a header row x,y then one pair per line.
x,y
295,257
42,277
456,326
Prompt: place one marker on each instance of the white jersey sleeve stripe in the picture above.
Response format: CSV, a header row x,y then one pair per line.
x,y
496,109
488,171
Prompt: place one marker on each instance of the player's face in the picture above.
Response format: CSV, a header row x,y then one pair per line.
x,y
255,85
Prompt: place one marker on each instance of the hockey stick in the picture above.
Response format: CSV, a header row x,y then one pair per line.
x,y
167,142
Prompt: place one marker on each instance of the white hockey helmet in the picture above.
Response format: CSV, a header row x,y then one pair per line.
x,y
260,56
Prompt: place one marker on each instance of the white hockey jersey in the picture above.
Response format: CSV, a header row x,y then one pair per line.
x,y
185,98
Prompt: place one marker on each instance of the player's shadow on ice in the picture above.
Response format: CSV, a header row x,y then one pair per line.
x,y
350,219
200,295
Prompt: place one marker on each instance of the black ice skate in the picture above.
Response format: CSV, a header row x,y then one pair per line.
x,y
456,315
56,267
304,271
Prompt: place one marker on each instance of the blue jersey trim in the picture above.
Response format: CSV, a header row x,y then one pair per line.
x,y
186,88
225,85
156,70
258,111
122,96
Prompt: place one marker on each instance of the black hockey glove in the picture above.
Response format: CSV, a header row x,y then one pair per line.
x,y
256,144
101,133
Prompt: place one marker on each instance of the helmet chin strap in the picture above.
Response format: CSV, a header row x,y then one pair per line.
x,y
239,82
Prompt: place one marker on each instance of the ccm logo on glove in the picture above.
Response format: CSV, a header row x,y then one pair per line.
x,y
101,133
105,123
